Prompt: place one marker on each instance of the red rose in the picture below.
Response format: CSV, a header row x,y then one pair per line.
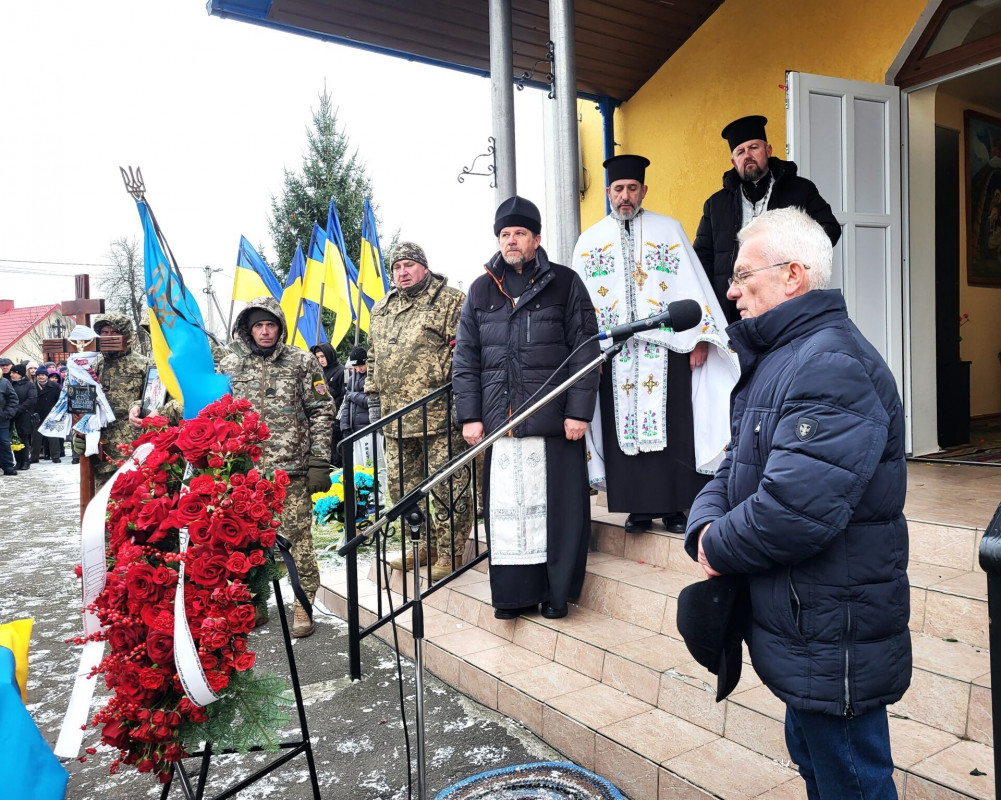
x,y
256,557
217,680
160,647
238,563
198,531
244,661
229,530
190,506
237,592
216,462
196,438
241,618
164,577
207,567
139,582
123,637
115,734
202,484
152,678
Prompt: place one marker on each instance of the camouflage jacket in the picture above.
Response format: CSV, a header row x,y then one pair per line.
x,y
122,376
410,352
288,390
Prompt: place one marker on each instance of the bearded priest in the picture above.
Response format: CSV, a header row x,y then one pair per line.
x,y
663,404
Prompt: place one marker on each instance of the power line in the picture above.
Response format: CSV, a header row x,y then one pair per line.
x,y
56,263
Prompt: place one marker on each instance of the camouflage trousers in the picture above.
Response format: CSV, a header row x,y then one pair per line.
x,y
296,526
411,450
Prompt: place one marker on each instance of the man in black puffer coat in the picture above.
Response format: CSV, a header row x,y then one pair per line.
x,y
23,422
808,505
758,181
520,322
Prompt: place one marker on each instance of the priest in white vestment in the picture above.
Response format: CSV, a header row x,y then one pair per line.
x,y
663,412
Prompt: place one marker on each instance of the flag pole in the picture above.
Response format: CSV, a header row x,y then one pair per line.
x,y
361,280
319,314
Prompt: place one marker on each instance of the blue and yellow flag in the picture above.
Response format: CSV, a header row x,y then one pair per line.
x,y
373,283
253,276
29,768
302,316
176,327
337,269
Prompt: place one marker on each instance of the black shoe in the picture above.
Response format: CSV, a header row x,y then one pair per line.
x,y
637,525
513,613
675,522
34,461
76,460
551,612
9,472
57,461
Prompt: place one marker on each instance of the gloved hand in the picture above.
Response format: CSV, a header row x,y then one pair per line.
x,y
374,410
78,444
317,475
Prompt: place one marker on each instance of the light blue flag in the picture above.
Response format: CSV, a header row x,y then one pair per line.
x,y
180,342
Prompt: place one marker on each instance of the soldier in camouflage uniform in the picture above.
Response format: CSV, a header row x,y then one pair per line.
x,y
122,376
410,354
286,386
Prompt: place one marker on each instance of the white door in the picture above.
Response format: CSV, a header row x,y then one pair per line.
x,y
845,137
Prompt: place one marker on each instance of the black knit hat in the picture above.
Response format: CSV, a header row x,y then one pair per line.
x,y
517,212
358,355
20,369
713,616
256,315
744,130
626,168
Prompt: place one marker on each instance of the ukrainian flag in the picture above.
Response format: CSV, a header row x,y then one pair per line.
x,y
302,316
253,276
29,768
337,270
373,283
360,304
176,327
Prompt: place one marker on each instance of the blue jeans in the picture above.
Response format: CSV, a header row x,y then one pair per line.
x,y
6,456
840,758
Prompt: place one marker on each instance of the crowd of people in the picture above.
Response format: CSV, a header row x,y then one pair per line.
x,y
28,391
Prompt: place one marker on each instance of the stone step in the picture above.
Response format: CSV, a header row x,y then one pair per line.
x,y
558,676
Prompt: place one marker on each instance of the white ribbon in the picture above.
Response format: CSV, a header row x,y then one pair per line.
x,y
189,666
94,574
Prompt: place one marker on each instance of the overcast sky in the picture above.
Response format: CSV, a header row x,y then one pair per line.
x,y
214,111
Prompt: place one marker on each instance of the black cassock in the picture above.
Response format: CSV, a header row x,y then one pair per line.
x,y
654,484
568,531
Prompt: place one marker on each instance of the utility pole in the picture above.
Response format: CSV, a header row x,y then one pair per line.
x,y
210,322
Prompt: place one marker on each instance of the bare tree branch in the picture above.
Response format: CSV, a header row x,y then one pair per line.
x,y
124,286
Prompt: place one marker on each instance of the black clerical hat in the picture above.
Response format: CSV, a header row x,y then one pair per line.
x,y
626,168
712,619
744,129
517,212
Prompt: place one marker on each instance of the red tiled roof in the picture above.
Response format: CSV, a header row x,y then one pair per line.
x,y
16,323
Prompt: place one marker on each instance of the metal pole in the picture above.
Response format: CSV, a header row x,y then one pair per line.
x,y
561,31
502,99
415,520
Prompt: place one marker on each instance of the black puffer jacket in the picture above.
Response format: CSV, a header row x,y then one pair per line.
x,y
722,218
354,412
48,396
27,397
505,350
333,374
8,403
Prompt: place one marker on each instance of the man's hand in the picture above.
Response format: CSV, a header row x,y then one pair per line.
x,y
134,417
317,475
472,432
575,429
703,561
698,356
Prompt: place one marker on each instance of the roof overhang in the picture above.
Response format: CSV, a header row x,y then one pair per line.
x,y
620,44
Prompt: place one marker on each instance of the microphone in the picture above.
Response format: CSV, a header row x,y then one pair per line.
x,y
680,316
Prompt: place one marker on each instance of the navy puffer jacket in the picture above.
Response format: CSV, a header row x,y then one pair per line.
x,y
808,503
505,351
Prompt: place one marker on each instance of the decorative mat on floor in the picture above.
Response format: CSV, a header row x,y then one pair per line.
x,y
547,780
967,453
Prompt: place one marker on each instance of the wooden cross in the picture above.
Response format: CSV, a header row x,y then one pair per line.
x,y
81,308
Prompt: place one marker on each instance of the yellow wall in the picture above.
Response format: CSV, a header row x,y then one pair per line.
x,y
732,66
982,334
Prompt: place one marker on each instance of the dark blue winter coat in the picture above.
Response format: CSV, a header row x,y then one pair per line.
x,y
808,503
506,351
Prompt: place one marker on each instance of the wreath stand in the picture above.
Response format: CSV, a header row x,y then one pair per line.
x,y
193,787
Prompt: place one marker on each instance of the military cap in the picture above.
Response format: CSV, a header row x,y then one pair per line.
x,y
408,251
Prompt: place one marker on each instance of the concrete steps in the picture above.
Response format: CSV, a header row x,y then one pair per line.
x,y
613,687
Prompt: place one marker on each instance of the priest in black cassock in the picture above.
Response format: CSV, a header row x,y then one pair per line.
x,y
526,326
664,399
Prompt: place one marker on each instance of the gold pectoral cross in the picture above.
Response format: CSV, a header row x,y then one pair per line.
x,y
639,275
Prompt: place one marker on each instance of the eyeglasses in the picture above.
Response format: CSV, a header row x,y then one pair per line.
x,y
740,278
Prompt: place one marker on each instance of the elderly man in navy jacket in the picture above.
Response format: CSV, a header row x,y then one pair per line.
x,y
808,504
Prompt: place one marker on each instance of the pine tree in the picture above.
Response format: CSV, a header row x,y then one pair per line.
x,y
330,169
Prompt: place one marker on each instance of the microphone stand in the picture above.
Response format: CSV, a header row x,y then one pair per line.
x,y
408,506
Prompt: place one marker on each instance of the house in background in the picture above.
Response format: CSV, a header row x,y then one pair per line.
x,y
23,329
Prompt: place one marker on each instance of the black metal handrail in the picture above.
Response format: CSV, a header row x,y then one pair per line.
x,y
990,562
457,487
